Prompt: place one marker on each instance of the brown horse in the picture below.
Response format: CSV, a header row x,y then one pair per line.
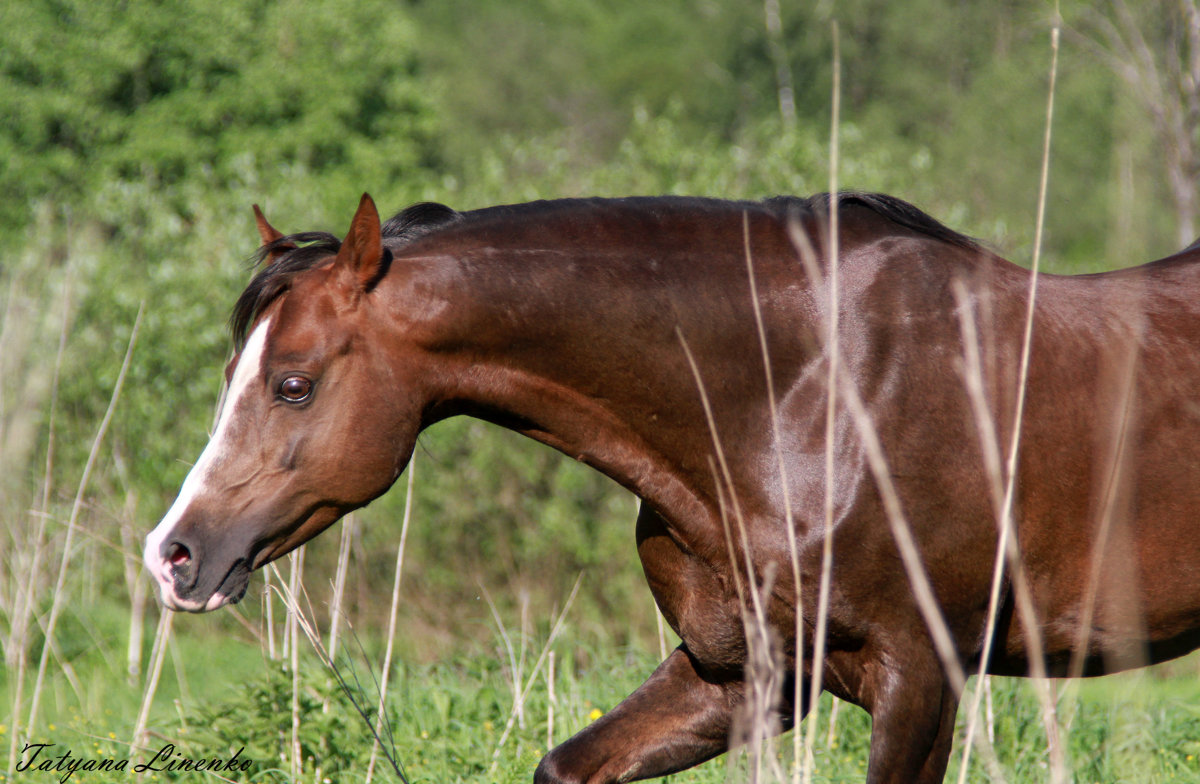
x,y
625,333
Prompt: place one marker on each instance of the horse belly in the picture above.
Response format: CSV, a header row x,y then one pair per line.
x,y
1138,605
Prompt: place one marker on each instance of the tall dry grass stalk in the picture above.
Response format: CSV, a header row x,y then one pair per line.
x,y
833,354
308,627
662,633
137,588
37,308
1008,553
269,614
731,513
757,719
990,450
33,549
157,655
521,692
391,631
789,517
349,524
162,634
295,580
1113,539
60,593
517,654
847,393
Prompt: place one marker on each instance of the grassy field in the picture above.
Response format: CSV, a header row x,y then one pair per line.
x,y
221,692
246,685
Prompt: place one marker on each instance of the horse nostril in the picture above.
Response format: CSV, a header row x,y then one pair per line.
x,y
178,555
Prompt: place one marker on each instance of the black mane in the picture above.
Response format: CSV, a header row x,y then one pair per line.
x,y
300,252
306,250
895,210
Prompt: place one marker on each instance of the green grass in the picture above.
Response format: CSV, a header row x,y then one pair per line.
x,y
220,692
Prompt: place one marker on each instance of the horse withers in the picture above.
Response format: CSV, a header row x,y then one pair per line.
x,y
634,335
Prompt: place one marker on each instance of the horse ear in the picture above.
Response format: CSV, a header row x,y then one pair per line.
x,y
270,235
362,257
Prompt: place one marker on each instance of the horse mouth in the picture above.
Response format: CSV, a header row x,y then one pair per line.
x,y
177,595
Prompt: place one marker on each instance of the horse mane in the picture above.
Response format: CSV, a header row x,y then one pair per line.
x,y
896,210
298,253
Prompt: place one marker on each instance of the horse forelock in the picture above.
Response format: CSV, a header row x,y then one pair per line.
x,y
297,253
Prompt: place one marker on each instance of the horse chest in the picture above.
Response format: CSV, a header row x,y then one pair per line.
x,y
699,601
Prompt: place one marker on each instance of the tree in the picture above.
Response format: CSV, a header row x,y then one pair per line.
x,y
157,94
1156,51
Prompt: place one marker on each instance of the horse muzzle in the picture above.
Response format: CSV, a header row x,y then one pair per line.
x,y
188,583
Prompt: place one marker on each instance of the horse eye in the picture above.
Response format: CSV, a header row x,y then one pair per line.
x,y
295,389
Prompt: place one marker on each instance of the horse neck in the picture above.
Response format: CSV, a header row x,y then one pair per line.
x,y
585,352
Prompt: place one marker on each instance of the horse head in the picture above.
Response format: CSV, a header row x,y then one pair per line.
x,y
313,424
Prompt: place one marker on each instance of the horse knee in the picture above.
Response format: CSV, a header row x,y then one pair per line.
x,y
553,769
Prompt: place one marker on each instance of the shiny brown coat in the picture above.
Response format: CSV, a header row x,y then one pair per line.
x,y
572,322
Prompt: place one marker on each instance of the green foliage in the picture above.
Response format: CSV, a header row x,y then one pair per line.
x,y
166,94
335,744
146,132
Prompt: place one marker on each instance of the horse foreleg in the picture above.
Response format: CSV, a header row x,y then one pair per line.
x,y
676,719
912,726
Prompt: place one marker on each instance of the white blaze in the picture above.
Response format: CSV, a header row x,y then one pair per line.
x,y
248,369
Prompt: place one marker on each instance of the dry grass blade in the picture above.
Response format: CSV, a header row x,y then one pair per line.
x,y
307,626
1024,601
391,632
785,490
514,665
22,614
897,521
296,562
269,613
339,582
990,448
726,492
756,722
1114,494
60,593
555,630
161,636
660,622
833,357
758,719
1008,552
910,556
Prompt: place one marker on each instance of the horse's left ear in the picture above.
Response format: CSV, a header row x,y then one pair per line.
x,y
362,258
270,237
